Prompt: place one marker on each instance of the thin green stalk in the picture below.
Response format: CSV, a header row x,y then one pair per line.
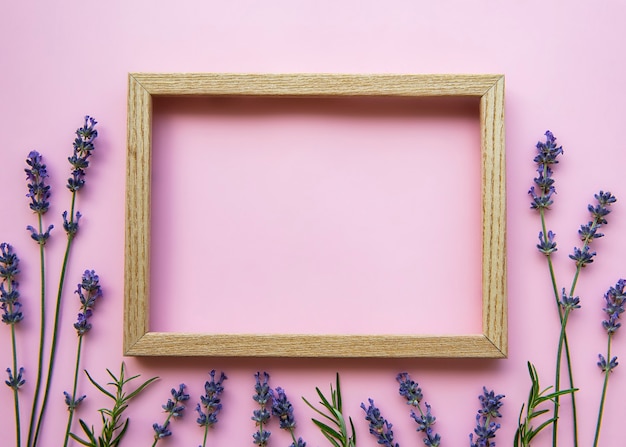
x,y
206,433
603,398
72,404
293,437
559,355
53,345
42,334
16,399
563,342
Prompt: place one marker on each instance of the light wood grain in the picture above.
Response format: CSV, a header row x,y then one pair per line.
x,y
140,341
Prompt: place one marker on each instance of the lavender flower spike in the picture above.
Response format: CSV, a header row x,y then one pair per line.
x,y
547,154
174,409
38,191
210,401
9,295
88,292
413,394
615,298
83,147
283,409
409,389
486,429
379,427
210,404
262,415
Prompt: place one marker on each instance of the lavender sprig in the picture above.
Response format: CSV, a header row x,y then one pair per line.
x,y
378,425
262,415
283,410
411,391
615,299
210,403
547,154
38,191
588,232
88,291
174,409
9,295
39,195
83,147
11,315
486,428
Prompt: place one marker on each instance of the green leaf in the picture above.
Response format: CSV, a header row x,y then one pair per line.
x,y
337,437
327,429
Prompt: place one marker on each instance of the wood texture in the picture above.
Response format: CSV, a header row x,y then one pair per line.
x,y
139,341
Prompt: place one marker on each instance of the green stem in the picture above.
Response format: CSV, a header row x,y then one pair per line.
x,y
74,387
16,399
604,388
563,342
293,437
557,387
42,335
206,432
55,329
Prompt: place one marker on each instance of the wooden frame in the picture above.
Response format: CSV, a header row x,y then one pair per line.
x,y
140,341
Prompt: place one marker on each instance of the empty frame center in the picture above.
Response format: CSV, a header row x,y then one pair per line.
x,y
316,215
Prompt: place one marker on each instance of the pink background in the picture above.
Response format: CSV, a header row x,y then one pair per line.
x,y
564,69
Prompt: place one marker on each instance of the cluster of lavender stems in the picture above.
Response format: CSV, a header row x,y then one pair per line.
x,y
411,391
486,427
210,404
542,198
39,194
174,409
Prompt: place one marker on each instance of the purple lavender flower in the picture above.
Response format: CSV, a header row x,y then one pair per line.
x,y
485,430
72,403
546,245
547,154
411,391
283,409
588,232
582,257
161,431
379,427
262,415
614,298
83,147
569,302
15,382
174,408
9,295
210,404
38,191
71,226
88,292
606,366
